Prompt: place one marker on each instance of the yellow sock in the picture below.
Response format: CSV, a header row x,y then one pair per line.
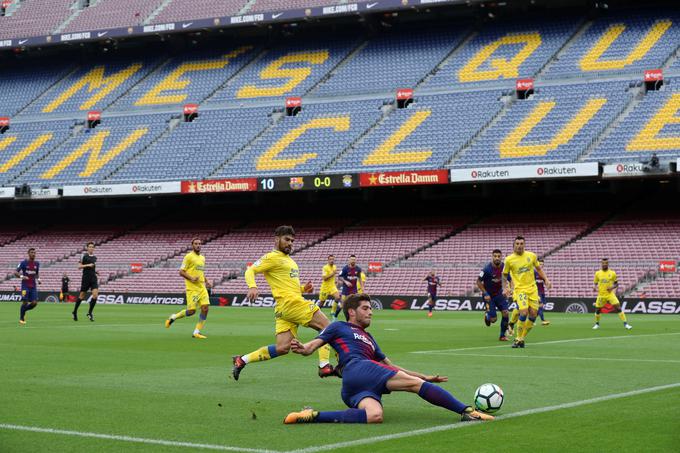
x,y
180,314
514,316
324,355
259,355
597,317
622,316
334,306
528,325
520,330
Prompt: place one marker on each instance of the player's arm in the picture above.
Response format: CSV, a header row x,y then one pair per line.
x,y
82,266
595,282
424,377
548,284
326,277
482,288
343,276
505,280
615,284
37,273
306,348
260,266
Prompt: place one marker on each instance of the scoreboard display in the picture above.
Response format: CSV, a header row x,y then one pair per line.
x,y
304,183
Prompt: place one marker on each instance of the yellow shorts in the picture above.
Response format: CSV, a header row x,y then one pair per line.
x,y
602,300
290,314
325,294
196,298
526,299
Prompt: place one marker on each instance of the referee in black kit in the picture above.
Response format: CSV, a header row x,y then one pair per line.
x,y
89,283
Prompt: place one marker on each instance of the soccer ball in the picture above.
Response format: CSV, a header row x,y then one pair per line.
x,y
488,398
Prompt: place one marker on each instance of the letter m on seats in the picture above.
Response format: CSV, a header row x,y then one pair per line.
x,y
93,81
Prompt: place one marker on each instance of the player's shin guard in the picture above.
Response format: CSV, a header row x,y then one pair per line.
x,y
78,302
262,354
528,325
622,316
93,302
540,313
22,310
324,355
346,416
514,317
521,327
440,397
201,322
598,316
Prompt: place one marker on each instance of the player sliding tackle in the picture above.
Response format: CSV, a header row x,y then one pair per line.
x,y
291,309
521,265
367,373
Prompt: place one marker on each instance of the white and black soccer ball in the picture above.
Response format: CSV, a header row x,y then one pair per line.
x,y
488,398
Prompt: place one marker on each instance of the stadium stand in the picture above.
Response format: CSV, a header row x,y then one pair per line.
x,y
178,10
110,14
116,140
663,287
557,125
34,17
26,86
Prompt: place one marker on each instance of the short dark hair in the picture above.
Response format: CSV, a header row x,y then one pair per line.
x,y
353,302
605,259
497,251
519,238
541,260
331,255
195,239
352,256
88,244
31,250
284,230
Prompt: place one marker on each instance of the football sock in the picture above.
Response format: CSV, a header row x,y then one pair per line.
x,y
430,308
514,317
262,354
93,302
540,313
324,355
440,397
201,322
346,416
504,325
528,325
78,302
22,311
597,318
622,317
334,306
179,315
521,324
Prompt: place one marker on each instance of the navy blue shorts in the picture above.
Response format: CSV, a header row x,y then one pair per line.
x,y
497,302
365,379
432,295
29,294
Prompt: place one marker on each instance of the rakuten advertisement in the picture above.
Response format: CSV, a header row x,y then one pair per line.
x,y
103,190
7,192
548,171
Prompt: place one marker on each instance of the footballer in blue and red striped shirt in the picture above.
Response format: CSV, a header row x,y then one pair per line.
x,y
367,373
29,273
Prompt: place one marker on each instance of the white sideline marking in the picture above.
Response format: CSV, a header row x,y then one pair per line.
x,y
559,357
139,440
538,410
572,340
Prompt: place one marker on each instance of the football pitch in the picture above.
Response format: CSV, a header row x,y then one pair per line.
x,y
126,383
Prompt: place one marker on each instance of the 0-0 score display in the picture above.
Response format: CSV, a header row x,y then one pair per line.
x,y
318,182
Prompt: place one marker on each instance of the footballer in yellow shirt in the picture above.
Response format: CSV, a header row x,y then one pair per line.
x,y
193,273
606,282
329,273
291,309
521,265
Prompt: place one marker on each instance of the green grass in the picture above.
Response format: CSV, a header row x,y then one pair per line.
x,y
127,375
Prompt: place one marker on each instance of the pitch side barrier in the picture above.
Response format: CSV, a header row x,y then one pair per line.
x,y
380,302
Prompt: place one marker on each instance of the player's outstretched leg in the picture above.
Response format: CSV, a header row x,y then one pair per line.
x,y
179,315
513,320
259,355
504,326
79,300
542,316
622,317
312,416
22,313
202,317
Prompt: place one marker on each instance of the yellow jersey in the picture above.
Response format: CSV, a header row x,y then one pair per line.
x,y
360,282
604,280
328,285
521,269
280,271
194,265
